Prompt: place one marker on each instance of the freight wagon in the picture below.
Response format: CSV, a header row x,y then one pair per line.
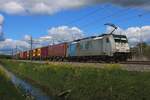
x,y
23,55
34,54
57,52
29,54
44,53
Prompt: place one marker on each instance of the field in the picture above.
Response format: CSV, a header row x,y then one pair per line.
x,y
7,90
84,83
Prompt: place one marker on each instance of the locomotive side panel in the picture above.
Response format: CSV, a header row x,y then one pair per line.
x,y
89,48
108,46
100,46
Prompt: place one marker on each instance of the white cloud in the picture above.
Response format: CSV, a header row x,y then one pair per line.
x,y
53,6
38,6
27,37
135,34
13,7
9,44
57,35
65,33
41,8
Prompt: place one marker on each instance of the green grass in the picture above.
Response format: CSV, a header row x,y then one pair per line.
x,y
85,83
7,90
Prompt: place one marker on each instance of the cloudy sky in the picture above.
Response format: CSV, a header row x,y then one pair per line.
x,y
49,21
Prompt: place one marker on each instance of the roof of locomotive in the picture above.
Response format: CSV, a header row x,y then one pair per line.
x,y
119,36
92,37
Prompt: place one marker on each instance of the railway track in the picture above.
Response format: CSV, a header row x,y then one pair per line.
x,y
140,66
136,62
94,62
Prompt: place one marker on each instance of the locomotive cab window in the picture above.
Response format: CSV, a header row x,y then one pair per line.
x,y
120,39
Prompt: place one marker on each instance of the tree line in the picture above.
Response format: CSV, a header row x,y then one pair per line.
x,y
141,50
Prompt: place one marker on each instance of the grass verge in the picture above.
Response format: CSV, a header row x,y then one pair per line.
x,y
7,90
85,83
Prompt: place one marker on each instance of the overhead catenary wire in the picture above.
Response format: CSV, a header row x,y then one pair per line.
x,y
85,16
114,14
120,12
123,20
111,15
88,14
129,18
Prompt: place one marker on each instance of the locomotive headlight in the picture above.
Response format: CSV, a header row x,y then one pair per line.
x,y
117,48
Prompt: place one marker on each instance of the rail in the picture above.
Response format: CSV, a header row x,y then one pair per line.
x,y
136,62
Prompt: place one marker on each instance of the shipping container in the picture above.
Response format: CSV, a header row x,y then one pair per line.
x,y
29,54
71,50
25,55
44,52
21,55
34,53
38,52
58,50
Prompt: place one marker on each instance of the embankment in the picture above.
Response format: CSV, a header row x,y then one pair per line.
x,y
7,90
84,83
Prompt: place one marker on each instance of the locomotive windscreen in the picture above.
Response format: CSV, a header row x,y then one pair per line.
x,y
120,38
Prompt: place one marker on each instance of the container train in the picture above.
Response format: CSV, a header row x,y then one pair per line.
x,y
106,47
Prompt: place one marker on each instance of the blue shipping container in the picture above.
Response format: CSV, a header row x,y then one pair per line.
x,y
72,49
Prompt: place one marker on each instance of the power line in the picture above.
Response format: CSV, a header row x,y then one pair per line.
x,y
125,11
81,18
114,14
122,20
127,19
88,14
